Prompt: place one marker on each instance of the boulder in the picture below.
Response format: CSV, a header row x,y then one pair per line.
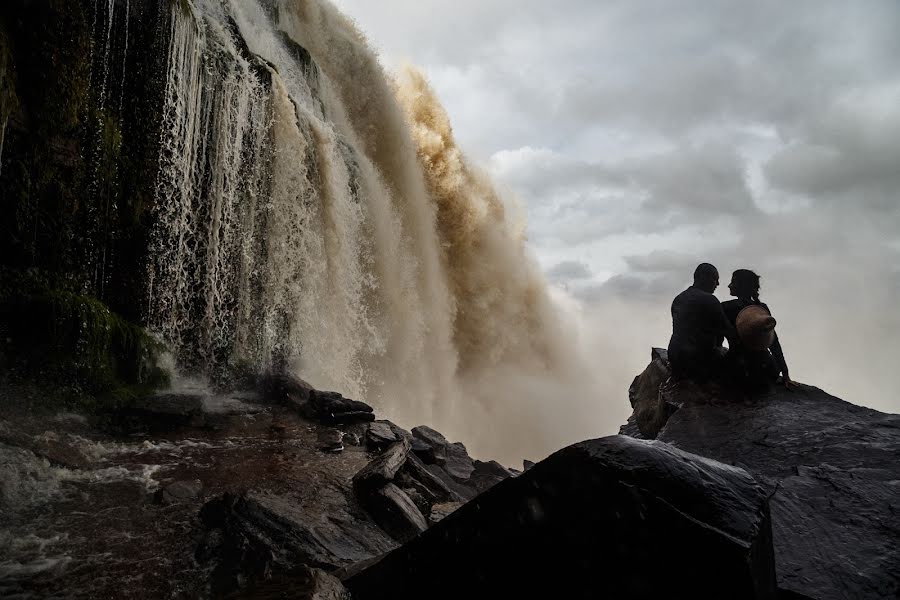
x,y
179,492
650,407
383,468
380,435
462,491
457,463
395,512
333,409
254,535
416,474
423,450
832,469
331,440
488,474
453,458
608,518
284,388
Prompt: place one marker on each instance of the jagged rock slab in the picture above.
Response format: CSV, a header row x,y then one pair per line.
x,y
833,468
650,407
253,535
464,492
416,473
179,491
608,518
383,468
488,474
333,409
380,435
283,388
395,512
452,457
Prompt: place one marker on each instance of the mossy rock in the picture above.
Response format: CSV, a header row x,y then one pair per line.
x,y
58,337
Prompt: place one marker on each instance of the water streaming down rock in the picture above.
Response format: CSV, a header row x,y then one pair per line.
x,y
305,217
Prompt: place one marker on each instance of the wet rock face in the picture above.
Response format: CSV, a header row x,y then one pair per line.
x,y
615,517
254,536
832,468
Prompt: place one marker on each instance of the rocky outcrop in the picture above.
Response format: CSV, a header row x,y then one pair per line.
x,y
831,468
615,517
254,536
402,493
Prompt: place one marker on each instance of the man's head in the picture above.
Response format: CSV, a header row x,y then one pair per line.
x,y
706,277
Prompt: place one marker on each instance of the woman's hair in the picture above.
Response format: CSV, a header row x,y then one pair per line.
x,y
746,284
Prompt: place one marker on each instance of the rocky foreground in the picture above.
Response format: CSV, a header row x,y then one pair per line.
x,y
291,492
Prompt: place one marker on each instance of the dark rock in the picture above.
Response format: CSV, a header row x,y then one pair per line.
x,y
284,388
331,440
650,407
330,408
48,446
659,354
179,492
631,429
452,457
382,469
352,439
439,511
380,435
169,410
457,463
433,438
423,450
334,403
431,485
527,464
252,536
351,416
394,512
418,498
400,432
464,492
487,474
615,518
833,470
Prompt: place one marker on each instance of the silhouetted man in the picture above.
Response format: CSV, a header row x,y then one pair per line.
x,y
698,325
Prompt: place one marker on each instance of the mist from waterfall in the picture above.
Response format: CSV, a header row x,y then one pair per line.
x,y
312,211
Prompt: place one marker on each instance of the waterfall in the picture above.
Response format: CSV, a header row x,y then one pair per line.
x,y
303,219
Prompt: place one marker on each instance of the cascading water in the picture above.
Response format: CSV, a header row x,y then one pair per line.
x,y
305,217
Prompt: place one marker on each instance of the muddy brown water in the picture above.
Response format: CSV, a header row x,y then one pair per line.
x,y
93,529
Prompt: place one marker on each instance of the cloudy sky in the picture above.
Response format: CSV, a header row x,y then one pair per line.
x,y
645,136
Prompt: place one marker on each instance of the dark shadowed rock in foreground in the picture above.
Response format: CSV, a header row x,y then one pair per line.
x,y
615,518
253,536
834,472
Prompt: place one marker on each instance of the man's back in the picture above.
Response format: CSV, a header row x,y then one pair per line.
x,y
698,326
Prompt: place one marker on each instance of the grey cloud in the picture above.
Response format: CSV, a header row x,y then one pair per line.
x,y
630,126
568,270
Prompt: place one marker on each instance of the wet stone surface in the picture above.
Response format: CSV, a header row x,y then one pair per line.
x,y
122,521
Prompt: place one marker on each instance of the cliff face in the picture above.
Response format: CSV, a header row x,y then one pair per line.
x,y
80,91
831,468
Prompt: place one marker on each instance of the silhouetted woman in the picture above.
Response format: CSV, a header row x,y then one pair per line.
x,y
757,366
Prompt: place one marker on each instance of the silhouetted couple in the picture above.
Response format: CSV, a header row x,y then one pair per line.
x,y
754,358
